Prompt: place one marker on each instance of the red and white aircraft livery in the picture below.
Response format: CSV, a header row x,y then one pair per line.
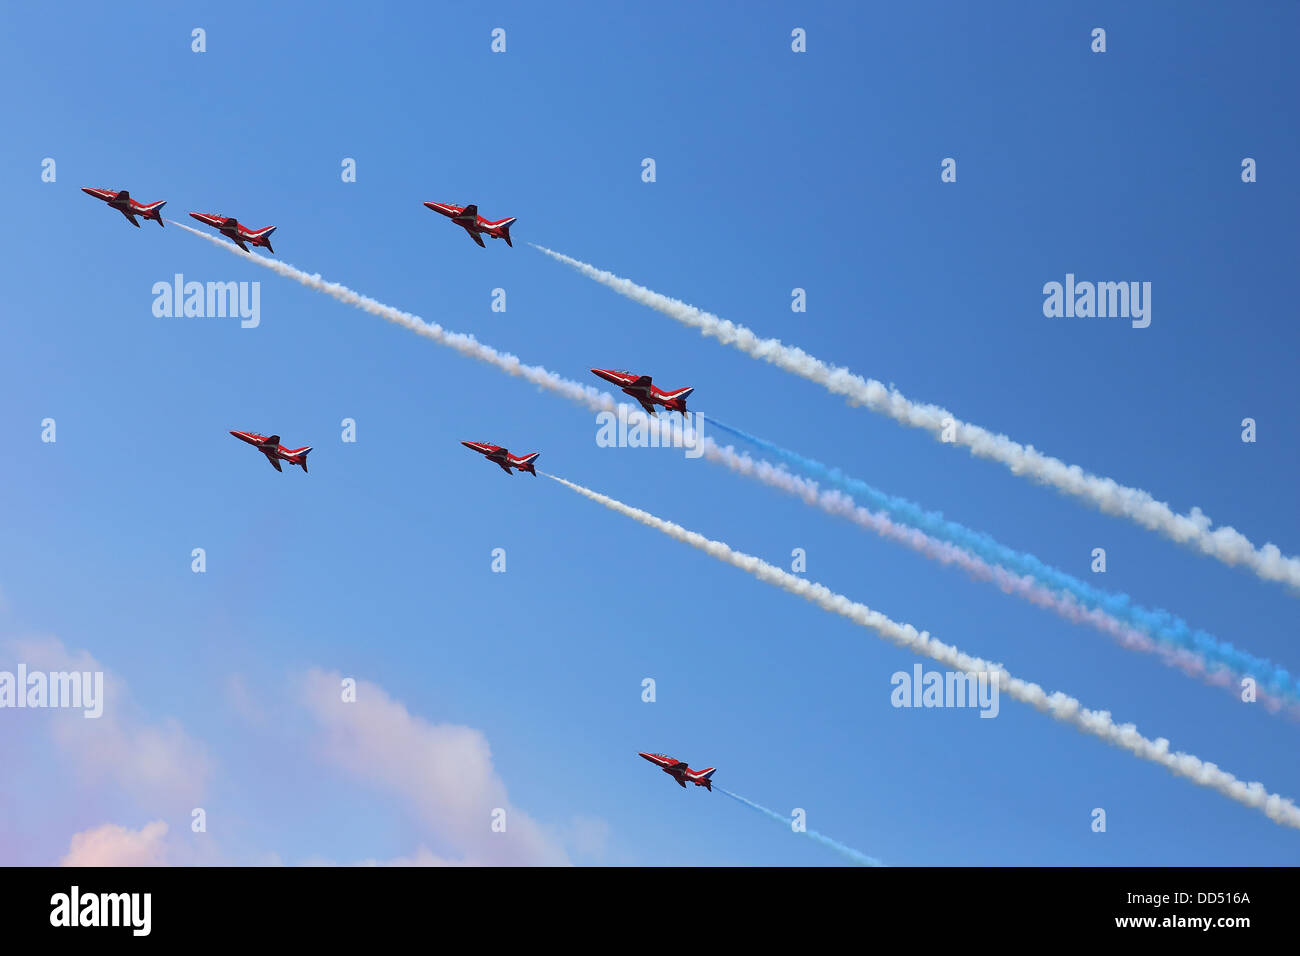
x,y
503,458
644,391
678,770
274,451
467,218
127,206
232,230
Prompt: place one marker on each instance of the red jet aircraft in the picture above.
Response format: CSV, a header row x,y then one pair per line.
x,y
127,206
232,230
644,391
274,451
503,458
467,217
678,770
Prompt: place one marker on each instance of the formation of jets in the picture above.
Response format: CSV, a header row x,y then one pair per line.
x,y
274,451
123,203
645,391
639,387
467,218
678,770
503,457
239,235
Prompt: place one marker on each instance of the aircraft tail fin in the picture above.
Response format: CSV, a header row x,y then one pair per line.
x,y
526,463
301,455
264,236
154,211
677,399
505,225
704,778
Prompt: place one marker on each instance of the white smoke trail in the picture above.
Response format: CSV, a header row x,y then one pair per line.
x,y
1024,587
465,344
859,858
1098,723
832,502
1193,529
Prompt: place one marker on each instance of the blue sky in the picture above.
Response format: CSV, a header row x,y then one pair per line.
x,y
775,170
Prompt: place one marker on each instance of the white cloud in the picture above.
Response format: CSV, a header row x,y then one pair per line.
x,y
113,845
444,772
155,762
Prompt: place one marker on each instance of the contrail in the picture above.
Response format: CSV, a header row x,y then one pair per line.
x,y
831,502
1059,706
859,858
1160,624
1193,529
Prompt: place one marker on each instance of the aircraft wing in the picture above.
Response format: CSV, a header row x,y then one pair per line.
x,y
504,466
649,407
127,213
470,212
239,242
643,381
476,237
275,462
680,781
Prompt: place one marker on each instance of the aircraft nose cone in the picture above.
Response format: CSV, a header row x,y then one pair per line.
x,y
87,191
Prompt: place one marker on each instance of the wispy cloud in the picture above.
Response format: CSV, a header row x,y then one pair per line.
x,y
443,772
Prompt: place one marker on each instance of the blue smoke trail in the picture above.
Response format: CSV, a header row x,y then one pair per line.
x,y
1160,624
859,858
